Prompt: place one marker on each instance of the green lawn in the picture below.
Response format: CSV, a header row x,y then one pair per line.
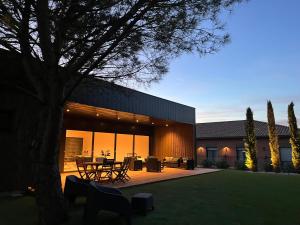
x,y
223,198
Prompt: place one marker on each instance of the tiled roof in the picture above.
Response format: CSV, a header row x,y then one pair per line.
x,y
232,129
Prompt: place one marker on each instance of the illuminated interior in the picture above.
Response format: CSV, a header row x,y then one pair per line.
x,y
109,145
124,146
141,146
104,145
78,143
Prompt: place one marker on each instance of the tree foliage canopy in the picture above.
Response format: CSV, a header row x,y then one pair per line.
x,y
294,137
273,139
250,142
112,39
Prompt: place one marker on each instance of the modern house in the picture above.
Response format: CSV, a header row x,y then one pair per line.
x,y
218,141
104,118
99,118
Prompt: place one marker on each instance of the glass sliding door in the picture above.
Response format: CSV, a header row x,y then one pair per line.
x,y
124,146
212,154
285,155
240,154
104,145
141,146
78,143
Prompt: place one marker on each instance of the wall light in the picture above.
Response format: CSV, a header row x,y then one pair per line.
x,y
200,149
167,125
137,121
68,110
226,149
97,114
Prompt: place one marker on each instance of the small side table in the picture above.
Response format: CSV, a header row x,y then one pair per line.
x,y
190,164
136,165
142,202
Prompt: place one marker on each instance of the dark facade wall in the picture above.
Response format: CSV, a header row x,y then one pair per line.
x,y
106,95
176,140
263,150
18,123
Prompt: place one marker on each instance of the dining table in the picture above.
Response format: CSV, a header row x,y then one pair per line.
x,y
101,168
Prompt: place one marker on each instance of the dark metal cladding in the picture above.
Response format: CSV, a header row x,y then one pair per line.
x,y
107,95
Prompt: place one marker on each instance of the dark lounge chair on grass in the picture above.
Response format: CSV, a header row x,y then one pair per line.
x,y
75,187
105,198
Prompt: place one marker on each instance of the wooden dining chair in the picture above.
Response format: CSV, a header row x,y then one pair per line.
x,y
85,172
121,172
104,173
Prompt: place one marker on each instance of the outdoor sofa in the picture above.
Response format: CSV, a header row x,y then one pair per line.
x,y
172,162
182,162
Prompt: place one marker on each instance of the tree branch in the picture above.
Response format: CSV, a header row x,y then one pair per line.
x,y
75,66
43,22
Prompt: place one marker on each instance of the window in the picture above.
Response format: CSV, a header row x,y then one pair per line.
x,y
109,145
124,146
78,143
285,154
141,146
104,145
240,154
212,154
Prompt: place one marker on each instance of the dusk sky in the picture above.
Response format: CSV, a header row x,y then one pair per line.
x,y
262,62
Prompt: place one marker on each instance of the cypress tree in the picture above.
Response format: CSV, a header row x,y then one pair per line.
x,y
250,142
294,138
273,139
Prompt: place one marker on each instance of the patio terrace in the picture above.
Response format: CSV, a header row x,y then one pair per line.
x,y
143,177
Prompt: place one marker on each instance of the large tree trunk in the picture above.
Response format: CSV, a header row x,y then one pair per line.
x,y
49,194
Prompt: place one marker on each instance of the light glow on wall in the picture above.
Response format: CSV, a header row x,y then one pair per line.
x,y
124,146
141,146
104,142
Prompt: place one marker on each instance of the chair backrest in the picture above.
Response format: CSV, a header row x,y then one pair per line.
x,y
81,167
104,189
79,163
110,161
81,159
125,164
101,160
152,160
72,178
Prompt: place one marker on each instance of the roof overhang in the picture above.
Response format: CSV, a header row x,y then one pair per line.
x,y
115,98
73,109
